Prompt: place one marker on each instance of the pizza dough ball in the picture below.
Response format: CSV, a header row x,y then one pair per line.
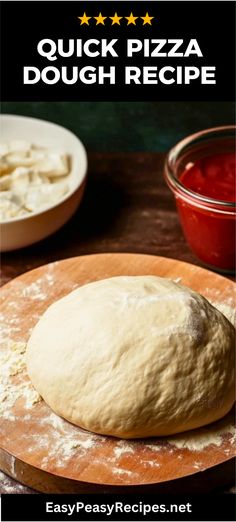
x,y
134,357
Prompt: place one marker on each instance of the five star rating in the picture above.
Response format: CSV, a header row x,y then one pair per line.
x,y
116,20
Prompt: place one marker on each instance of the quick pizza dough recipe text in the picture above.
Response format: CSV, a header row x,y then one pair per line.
x,y
52,50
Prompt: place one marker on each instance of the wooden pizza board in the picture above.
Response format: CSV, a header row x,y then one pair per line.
x,y
43,451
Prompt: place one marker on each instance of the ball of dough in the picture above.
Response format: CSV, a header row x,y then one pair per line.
x,y
134,357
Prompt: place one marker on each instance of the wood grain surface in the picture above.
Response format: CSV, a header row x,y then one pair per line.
x,y
50,454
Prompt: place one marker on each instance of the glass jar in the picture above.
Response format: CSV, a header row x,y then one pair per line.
x,y
208,224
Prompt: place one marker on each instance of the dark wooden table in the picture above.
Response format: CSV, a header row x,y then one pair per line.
x,y
127,207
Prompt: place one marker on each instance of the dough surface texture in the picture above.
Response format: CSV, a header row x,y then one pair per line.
x,y
134,356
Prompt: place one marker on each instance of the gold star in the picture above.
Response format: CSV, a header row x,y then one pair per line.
x,y
84,19
131,19
100,19
115,19
147,19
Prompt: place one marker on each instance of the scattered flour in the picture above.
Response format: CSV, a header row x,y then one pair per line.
x,y
121,448
155,447
34,291
197,440
151,463
121,471
12,363
8,486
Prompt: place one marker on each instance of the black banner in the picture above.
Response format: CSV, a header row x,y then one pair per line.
x,y
176,51
114,508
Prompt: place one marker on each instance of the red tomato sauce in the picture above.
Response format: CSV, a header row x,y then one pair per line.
x,y
210,234
212,176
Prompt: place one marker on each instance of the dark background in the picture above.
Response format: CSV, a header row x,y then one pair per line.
x,y
24,24
129,127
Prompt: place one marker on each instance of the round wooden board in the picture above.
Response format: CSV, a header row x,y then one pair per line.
x,y
43,451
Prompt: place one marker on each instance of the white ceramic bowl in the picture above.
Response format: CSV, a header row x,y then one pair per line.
x,y
26,230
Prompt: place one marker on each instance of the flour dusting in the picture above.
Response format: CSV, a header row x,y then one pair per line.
x,y
155,447
120,471
122,448
12,363
7,486
201,438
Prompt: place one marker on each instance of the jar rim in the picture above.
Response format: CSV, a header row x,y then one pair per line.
x,y
173,154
